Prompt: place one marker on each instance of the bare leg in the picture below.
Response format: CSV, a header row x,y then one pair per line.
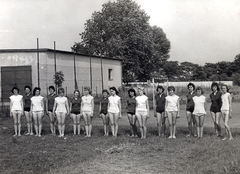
x,y
218,118
104,119
159,124
134,127
213,115
144,118
198,125
39,115
63,123
59,123
15,122
78,123
116,123
52,122
174,120
27,115
111,117
35,118
139,117
19,123
130,119
201,122
86,123
170,121
90,124
227,127
74,117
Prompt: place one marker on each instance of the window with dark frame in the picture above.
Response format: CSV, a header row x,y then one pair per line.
x,y
110,74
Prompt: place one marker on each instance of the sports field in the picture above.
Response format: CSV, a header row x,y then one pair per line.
x,y
98,154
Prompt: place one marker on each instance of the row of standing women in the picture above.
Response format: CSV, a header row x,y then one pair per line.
x,y
221,106
165,107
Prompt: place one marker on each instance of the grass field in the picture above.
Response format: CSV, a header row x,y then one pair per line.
x,y
98,154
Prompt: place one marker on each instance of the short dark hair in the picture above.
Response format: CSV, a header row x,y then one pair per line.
x,y
115,89
60,90
15,88
35,89
160,87
215,84
191,84
51,87
199,88
27,86
171,88
105,90
131,90
76,90
226,87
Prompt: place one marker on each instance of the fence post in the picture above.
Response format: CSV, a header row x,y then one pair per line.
x,y
96,91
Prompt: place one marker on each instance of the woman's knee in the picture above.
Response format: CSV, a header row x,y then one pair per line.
x,y
226,125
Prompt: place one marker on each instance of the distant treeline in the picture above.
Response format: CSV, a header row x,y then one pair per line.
x,y
187,71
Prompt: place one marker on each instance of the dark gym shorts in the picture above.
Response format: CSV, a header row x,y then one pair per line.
x,y
132,113
50,110
27,109
102,112
190,110
160,111
75,112
215,109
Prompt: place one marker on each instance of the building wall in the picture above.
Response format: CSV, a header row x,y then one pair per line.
x,y
65,63
20,59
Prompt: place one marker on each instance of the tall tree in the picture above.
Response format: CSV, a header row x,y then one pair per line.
x,y
121,29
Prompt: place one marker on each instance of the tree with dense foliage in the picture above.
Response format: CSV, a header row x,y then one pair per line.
x,y
58,78
121,29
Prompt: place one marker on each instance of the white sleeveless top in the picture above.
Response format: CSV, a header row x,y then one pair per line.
x,y
113,104
16,102
199,102
37,103
225,101
172,102
87,103
61,101
141,103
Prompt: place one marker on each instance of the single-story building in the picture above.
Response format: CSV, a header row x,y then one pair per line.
x,y
36,67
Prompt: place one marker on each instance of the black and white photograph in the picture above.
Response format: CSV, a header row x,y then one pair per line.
x,y
119,86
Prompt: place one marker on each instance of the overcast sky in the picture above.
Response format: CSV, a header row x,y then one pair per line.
x,y
200,31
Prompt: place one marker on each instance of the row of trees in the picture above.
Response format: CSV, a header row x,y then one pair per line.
x,y
122,30
187,71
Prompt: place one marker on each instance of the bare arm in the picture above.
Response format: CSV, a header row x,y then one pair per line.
x,y
147,105
230,105
120,108
31,107
100,107
155,107
22,105
81,105
54,106
11,103
70,107
42,104
46,108
67,106
92,102
108,104
205,104
166,104
178,106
